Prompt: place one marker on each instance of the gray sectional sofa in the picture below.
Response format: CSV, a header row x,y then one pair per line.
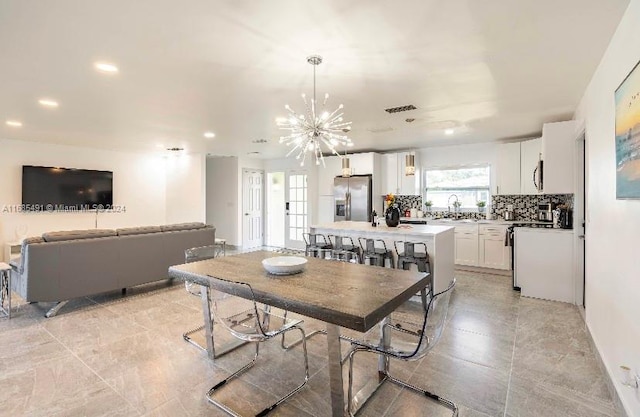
x,y
60,266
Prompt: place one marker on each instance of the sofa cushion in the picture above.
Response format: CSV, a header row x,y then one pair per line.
x,y
77,234
138,230
182,226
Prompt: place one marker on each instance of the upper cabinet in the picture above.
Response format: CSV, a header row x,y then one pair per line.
x,y
530,152
508,169
326,174
394,178
558,154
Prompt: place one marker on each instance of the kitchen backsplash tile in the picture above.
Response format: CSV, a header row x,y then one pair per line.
x,y
409,201
415,201
525,207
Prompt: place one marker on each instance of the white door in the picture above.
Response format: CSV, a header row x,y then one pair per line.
x,y
252,208
297,209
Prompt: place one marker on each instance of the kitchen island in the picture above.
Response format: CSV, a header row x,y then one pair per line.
x,y
439,241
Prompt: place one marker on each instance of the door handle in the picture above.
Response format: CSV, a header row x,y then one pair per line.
x,y
246,214
581,237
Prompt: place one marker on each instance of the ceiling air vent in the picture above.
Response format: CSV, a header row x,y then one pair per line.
x,y
401,109
175,149
259,141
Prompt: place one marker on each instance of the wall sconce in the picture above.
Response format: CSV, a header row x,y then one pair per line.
x,y
628,378
346,169
410,165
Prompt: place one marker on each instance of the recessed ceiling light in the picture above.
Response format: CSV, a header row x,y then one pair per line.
x,y
14,123
448,131
209,135
48,102
106,67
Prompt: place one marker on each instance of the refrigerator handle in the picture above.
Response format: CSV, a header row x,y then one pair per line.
x,y
348,206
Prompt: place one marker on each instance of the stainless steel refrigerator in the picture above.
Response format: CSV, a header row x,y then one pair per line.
x,y
352,197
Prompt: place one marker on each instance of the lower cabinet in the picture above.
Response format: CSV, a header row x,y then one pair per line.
x,y
480,245
466,237
492,253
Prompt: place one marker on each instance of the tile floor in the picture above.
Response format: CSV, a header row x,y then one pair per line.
x,y
500,355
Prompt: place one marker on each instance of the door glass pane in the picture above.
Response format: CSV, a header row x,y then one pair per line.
x,y
297,219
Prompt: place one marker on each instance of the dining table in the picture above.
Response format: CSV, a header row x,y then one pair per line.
x,y
340,294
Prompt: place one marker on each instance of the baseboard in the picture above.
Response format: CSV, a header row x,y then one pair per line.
x,y
609,381
483,270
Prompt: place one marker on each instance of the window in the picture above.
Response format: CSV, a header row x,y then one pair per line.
x,y
469,184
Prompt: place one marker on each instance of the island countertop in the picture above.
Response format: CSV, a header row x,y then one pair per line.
x,y
403,229
439,240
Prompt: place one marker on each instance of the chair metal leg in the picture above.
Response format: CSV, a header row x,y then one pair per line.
x,y
355,403
54,310
299,387
297,342
447,403
267,410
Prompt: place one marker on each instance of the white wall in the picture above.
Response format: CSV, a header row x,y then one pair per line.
x,y
613,226
138,186
222,197
185,197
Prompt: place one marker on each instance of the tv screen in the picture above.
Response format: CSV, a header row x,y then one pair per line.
x,y
48,188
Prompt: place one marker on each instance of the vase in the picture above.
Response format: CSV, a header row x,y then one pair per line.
x,y
392,216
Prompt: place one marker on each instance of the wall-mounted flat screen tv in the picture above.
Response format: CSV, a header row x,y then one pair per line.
x,y
65,188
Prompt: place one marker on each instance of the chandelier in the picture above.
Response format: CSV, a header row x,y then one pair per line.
x,y
316,127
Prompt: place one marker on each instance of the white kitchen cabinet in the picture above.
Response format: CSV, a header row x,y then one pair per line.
x,y
558,154
409,184
326,174
389,162
492,253
396,181
508,169
466,245
543,265
530,151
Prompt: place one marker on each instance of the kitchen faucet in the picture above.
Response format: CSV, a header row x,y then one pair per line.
x,y
456,203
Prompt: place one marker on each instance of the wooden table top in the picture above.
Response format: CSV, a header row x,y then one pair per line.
x,y
349,295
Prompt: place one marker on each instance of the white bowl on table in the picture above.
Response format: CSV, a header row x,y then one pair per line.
x,y
284,265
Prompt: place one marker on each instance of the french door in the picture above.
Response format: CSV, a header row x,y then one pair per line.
x,y
296,209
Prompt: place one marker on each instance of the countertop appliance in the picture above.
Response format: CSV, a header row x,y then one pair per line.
x,y
565,220
545,211
353,199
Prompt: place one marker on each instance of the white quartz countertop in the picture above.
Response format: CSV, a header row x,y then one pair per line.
x,y
406,229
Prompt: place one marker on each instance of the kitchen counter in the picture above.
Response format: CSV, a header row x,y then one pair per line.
x,y
438,238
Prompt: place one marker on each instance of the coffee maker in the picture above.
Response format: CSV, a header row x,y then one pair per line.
x,y
545,211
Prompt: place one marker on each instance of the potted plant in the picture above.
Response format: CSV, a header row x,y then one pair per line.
x,y
427,206
456,205
481,205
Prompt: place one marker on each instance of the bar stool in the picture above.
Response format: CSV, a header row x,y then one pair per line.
x,y
343,247
373,255
316,245
420,259
410,256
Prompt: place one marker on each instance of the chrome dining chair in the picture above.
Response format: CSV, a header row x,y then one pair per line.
x,y
248,323
408,335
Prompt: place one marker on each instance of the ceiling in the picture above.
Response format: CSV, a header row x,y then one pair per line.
x,y
491,70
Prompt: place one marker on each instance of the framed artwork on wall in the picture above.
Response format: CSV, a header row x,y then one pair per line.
x,y
627,135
